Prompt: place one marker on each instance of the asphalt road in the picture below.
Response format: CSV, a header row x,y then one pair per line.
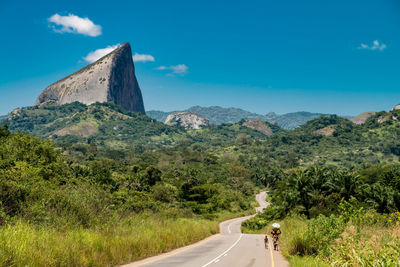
x,y
230,248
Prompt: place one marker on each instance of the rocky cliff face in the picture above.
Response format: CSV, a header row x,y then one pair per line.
x,y
109,79
188,120
397,107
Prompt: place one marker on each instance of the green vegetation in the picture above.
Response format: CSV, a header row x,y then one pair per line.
x,y
337,216
99,177
90,210
363,239
130,239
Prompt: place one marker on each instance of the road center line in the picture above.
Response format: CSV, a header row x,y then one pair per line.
x,y
272,255
226,251
229,227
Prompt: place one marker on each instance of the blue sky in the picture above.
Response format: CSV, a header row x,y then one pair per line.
x,y
262,56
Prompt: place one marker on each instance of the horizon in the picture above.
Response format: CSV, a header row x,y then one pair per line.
x,y
260,56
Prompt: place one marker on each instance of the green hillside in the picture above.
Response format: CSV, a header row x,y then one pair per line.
x,y
326,140
115,131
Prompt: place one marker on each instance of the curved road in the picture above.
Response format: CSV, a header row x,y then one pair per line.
x,y
230,248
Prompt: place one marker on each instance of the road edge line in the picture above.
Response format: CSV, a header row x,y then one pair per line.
x,y
272,254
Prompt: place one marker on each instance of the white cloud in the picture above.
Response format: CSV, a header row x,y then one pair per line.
x,y
142,58
375,46
99,53
181,69
74,24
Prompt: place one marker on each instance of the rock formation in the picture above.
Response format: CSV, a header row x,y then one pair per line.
x,y
109,79
260,126
397,107
360,119
188,120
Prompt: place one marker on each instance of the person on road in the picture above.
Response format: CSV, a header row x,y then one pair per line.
x,y
266,241
275,232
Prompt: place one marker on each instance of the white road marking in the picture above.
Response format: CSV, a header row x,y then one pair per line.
x,y
229,227
217,258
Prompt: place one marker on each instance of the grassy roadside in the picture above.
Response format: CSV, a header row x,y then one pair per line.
x,y
131,239
134,238
364,239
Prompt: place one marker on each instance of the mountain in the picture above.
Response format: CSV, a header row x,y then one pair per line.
x,y
294,119
188,120
109,79
158,115
219,115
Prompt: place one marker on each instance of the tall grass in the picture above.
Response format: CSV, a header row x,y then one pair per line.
x,y
133,238
368,239
368,246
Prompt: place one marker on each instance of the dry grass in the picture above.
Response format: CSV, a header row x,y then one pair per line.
x,y
138,237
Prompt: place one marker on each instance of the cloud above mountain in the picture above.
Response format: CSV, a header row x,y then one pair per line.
x,y
376,45
99,53
74,24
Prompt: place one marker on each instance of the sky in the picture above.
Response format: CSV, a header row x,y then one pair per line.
x,y
264,56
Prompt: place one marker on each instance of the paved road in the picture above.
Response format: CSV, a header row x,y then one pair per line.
x,y
231,248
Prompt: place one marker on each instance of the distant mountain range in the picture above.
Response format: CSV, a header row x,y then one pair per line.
x,y
331,140
219,115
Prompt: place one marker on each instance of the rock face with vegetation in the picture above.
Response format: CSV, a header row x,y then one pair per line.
x,y
259,126
109,79
188,120
360,119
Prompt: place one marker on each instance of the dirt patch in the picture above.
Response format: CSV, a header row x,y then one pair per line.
x,y
327,131
259,126
78,130
382,119
360,119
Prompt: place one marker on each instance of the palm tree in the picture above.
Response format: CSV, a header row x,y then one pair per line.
x,y
345,184
381,197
